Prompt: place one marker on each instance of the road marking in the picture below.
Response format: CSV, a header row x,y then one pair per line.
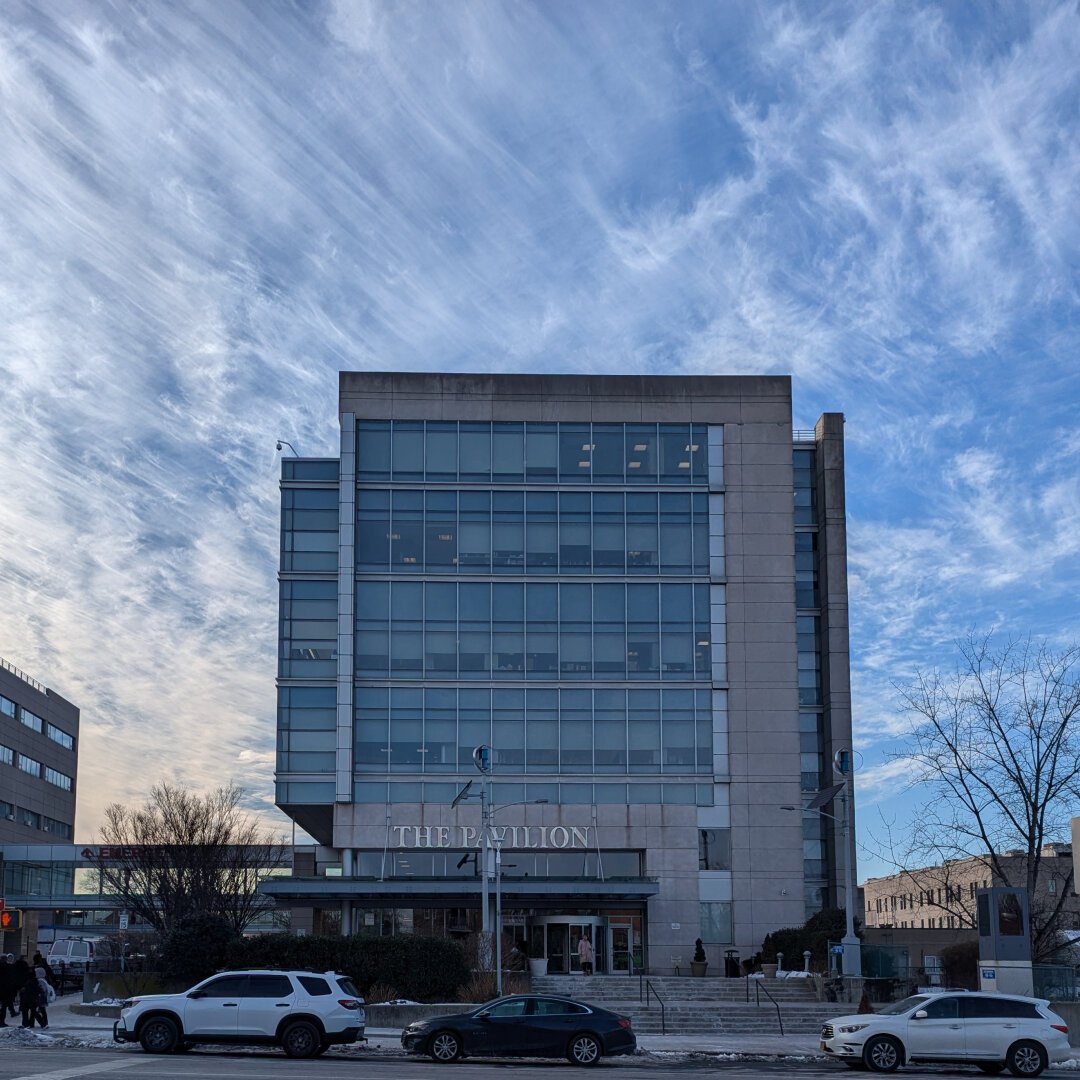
x,y
82,1070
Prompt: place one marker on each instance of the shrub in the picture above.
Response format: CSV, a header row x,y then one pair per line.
x,y
815,935
699,952
960,963
198,947
420,968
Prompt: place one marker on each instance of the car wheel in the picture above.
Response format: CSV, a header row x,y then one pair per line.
x,y
1026,1059
882,1054
300,1039
584,1050
992,1068
159,1035
444,1046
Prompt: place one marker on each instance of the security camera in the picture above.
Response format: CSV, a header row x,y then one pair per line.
x,y
279,445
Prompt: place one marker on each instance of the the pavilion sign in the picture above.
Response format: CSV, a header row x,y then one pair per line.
x,y
517,837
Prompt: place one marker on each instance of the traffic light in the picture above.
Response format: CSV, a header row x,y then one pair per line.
x,y
10,919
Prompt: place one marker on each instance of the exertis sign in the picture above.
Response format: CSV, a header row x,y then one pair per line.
x,y
518,837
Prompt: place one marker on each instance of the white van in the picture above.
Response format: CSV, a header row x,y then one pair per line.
x,y
76,954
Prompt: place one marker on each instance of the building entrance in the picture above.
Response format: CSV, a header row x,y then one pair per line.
x,y
561,935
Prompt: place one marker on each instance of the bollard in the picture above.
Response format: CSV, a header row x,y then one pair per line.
x,y
806,960
779,961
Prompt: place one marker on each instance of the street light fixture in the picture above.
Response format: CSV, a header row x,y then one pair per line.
x,y
852,958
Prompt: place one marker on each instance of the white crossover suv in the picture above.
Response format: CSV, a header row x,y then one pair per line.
x,y
303,1012
993,1031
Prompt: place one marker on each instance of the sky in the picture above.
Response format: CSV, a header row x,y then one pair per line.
x,y
208,209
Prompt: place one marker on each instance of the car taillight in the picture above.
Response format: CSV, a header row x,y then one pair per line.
x,y
1063,1028
624,1023
349,1003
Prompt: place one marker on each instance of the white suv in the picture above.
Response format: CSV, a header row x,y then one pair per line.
x,y
303,1012
993,1031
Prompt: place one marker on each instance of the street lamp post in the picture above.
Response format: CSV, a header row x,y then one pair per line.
x,y
852,958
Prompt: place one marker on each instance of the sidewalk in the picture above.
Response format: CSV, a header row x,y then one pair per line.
x,y
96,1031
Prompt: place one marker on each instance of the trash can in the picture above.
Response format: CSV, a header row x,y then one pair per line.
x,y
731,964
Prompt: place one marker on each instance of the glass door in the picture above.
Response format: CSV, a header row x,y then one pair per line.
x,y
619,938
557,953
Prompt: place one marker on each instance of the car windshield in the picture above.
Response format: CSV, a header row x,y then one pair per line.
x,y
898,1007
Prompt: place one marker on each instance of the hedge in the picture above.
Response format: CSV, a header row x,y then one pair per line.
x,y
424,969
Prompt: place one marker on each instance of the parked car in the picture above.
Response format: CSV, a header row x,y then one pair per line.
x,y
993,1031
76,954
303,1012
525,1025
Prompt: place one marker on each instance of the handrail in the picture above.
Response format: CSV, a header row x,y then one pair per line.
x,y
22,675
758,987
650,989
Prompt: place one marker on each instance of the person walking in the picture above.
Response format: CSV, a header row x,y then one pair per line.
x,y
7,988
585,954
21,972
28,1001
41,984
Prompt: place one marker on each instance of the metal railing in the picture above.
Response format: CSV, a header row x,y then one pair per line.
x,y
22,675
759,989
645,988
802,435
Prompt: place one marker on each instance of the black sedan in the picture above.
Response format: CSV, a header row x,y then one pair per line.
x,y
525,1025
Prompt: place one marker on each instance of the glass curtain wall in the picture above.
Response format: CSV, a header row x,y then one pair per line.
x,y
560,528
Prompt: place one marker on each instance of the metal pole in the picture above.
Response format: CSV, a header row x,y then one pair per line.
x,y
852,946
498,920
485,914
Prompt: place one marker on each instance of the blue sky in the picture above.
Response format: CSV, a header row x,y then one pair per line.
x,y
208,209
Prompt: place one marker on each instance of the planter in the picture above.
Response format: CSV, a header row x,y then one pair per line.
x,y
698,967
538,967
768,970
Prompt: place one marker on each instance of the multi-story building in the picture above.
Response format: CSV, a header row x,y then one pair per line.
x,y
943,897
633,589
39,758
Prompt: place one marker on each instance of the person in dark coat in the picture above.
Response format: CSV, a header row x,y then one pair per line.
x,y
28,1001
7,989
21,971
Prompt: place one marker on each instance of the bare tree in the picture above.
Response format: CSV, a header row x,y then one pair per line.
x,y
183,854
998,747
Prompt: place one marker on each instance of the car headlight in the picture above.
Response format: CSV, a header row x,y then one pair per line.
x,y
849,1029
129,1003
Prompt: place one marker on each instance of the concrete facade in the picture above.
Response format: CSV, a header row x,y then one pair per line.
x,y
34,807
755,726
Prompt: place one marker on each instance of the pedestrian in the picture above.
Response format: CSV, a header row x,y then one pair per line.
x,y
44,992
21,971
7,988
585,954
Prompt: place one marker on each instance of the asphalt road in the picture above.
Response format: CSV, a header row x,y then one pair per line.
x,y
74,1064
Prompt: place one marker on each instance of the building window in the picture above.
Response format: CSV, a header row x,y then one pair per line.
x,y
59,779
7,706
31,720
60,829
59,736
716,923
28,818
714,849
29,765
7,755
441,451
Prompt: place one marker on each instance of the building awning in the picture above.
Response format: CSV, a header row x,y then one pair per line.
x,y
285,889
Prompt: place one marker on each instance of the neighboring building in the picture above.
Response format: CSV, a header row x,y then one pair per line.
x,y
59,890
943,897
39,758
634,590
